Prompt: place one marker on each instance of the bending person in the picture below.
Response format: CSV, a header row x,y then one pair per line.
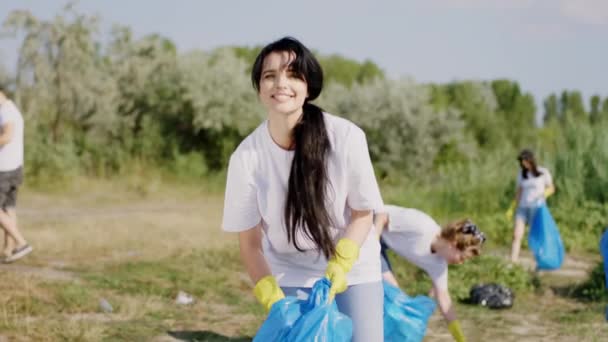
x,y
416,237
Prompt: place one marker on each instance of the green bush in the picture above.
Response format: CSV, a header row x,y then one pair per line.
x,y
483,269
594,288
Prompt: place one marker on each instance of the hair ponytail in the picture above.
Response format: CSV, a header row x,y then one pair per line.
x,y
305,208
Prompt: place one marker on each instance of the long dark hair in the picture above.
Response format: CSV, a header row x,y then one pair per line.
x,y
528,156
305,207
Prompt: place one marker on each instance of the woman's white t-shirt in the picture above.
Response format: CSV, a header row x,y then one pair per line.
x,y
11,154
410,234
256,190
533,188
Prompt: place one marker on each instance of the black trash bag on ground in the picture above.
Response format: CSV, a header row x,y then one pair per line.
x,y
492,295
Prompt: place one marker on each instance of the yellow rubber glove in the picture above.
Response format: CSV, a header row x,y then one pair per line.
x,y
347,252
547,193
456,331
509,213
268,292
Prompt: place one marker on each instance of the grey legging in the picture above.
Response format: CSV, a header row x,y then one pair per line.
x,y
363,303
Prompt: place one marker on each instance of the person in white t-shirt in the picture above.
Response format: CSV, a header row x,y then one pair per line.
x,y
11,177
301,191
534,185
416,237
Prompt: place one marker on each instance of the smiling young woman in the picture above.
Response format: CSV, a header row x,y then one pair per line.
x,y
300,192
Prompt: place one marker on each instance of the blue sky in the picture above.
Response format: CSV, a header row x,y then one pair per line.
x,y
545,45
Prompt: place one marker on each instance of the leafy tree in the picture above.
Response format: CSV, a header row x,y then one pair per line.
x,y
406,136
347,71
369,71
4,75
551,105
61,80
477,103
149,90
507,93
571,106
594,112
517,108
224,106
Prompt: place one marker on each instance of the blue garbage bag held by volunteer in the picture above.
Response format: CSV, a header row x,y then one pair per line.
x,y
544,240
405,318
313,319
604,253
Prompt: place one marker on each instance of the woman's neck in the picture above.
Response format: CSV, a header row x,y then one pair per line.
x,y
281,127
438,244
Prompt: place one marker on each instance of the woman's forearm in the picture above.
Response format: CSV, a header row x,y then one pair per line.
x,y
7,134
252,254
445,305
360,225
380,221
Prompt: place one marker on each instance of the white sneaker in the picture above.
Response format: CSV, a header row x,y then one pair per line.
x,y
19,253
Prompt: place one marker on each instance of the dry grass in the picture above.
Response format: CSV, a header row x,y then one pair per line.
x,y
77,233
136,245
106,224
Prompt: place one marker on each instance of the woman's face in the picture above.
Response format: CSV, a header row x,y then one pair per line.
x,y
281,91
526,164
454,256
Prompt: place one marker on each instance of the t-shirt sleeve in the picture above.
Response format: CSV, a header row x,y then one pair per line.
x,y
363,192
6,116
240,202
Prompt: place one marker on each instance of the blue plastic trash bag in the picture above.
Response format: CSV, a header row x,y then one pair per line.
x,y
314,319
281,318
604,252
405,318
544,240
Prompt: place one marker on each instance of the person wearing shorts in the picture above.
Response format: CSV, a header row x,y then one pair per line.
x,y
534,186
11,177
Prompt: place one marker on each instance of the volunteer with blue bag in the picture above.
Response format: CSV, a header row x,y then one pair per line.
x,y
534,185
416,237
301,191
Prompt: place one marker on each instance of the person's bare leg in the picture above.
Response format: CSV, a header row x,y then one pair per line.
x,y
9,224
6,249
9,241
390,278
518,234
9,245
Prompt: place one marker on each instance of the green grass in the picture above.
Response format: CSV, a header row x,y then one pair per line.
x,y
483,269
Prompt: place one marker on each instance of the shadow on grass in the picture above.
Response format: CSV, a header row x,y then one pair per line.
x,y
206,336
593,289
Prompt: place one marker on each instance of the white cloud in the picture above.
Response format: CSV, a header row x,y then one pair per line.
x,y
593,12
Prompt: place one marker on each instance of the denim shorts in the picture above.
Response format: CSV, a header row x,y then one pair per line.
x,y
9,184
526,214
